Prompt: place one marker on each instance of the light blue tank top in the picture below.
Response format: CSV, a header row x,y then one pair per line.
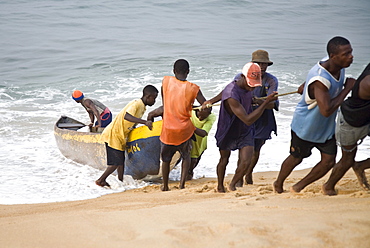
x,y
308,123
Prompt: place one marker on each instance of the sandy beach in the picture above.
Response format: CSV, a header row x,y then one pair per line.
x,y
198,216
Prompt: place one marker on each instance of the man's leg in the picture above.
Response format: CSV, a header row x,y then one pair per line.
x,y
240,182
346,162
184,170
115,159
359,168
193,164
286,168
185,150
167,153
258,143
244,161
318,171
221,168
248,175
110,169
165,175
121,171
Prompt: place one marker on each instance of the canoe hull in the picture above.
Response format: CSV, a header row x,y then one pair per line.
x,y
81,147
142,152
137,161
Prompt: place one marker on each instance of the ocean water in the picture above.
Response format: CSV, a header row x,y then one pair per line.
x,y
111,49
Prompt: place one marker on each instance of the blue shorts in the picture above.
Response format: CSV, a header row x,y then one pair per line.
x,y
105,118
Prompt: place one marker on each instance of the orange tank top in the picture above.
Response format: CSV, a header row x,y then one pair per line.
x,y
178,98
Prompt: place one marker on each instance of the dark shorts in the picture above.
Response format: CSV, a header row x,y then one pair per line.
x,y
114,157
300,148
167,151
258,143
236,144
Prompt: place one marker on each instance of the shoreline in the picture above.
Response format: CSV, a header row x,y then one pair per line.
x,y
198,216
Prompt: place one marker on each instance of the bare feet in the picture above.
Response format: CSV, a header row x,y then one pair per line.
x,y
164,188
102,184
239,183
221,189
277,188
294,189
327,191
249,179
232,187
361,177
189,176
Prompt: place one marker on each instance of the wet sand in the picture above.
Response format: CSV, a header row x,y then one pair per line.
x,y
198,216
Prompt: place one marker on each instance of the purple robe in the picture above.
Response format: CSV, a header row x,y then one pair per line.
x,y
232,133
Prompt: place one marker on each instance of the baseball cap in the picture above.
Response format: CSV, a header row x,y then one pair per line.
x,y
252,73
77,95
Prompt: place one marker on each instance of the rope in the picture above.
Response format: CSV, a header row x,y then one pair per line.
x,y
284,94
207,106
217,104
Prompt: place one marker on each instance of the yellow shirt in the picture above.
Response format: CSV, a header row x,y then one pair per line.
x,y
116,133
200,145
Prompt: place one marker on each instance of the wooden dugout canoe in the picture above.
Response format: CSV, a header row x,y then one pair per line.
x,y
142,151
